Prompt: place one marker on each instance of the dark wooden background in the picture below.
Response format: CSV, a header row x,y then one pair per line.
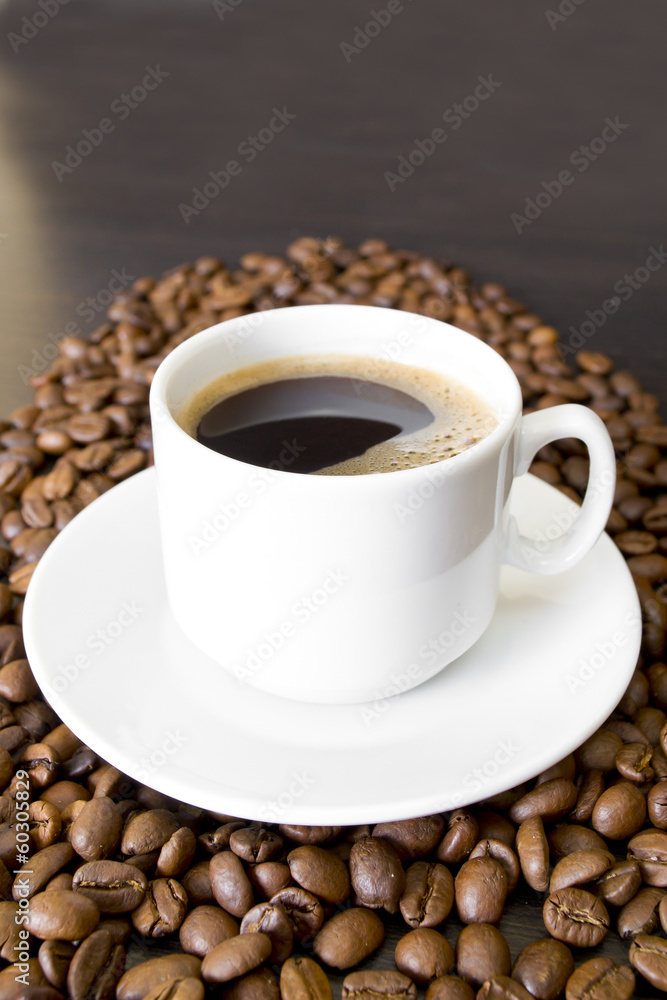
x,y
324,174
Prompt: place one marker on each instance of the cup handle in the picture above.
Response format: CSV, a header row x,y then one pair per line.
x,y
571,541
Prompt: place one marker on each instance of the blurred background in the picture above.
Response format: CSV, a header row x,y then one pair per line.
x,y
547,173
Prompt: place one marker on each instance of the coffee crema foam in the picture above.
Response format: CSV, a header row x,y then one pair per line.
x,y
461,418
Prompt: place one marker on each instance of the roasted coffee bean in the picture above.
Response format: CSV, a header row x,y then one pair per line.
x,y
54,961
304,910
543,967
176,854
319,872
374,984
148,831
579,868
481,953
618,884
113,886
235,957
271,919
503,988
567,838
649,850
576,917
494,826
137,982
96,968
269,878
197,883
349,937
480,889
95,833
255,845
412,838
599,751
533,851
217,840
9,930
62,914
230,884
449,988
43,866
376,874
619,812
503,854
162,910
204,928
428,895
310,834
601,979
64,793
261,984
460,838
640,914
301,978
179,989
648,955
590,789
551,800
424,954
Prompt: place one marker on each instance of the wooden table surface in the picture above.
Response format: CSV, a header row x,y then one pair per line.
x,y
550,180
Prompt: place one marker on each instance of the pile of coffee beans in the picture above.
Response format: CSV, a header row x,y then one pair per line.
x,y
127,893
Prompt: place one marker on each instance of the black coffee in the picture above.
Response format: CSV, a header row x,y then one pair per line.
x,y
327,419
337,415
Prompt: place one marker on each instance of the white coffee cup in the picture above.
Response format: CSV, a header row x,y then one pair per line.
x,y
322,588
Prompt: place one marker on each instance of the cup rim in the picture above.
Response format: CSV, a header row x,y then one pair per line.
x,y
169,365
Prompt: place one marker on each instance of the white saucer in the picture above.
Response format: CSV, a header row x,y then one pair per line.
x,y
553,664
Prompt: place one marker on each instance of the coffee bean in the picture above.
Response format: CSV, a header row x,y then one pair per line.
x,y
268,878
9,930
649,850
372,984
162,910
176,854
599,751
576,917
113,886
253,845
197,884
230,884
591,788
648,955
449,988
551,800
177,989
569,837
579,868
349,937
480,889
43,866
460,838
618,884
62,914
412,838
303,909
640,914
204,928
482,953
235,957
95,834
148,831
260,984
428,895
301,978
54,961
493,825
319,872
504,855
424,954
96,968
600,979
619,812
543,968
137,982
214,841
376,874
310,834
271,919
533,851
